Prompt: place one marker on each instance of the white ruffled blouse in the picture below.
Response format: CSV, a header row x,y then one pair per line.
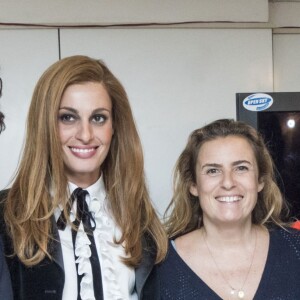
x,y
118,280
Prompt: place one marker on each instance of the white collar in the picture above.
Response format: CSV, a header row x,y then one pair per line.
x,y
96,190
97,194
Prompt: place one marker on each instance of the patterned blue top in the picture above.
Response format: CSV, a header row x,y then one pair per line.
x,y
280,279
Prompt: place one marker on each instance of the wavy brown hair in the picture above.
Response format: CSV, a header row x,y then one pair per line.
x,y
2,124
184,213
29,207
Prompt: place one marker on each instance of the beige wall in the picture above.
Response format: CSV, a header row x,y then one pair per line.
x,y
202,13
131,11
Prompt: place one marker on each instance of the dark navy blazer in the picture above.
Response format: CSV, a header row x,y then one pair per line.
x,y
5,283
46,279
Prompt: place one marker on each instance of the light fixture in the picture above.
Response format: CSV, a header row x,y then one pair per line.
x,y
291,123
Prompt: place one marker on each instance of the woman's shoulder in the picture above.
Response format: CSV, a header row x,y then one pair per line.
x,y
148,243
3,196
284,231
186,241
284,236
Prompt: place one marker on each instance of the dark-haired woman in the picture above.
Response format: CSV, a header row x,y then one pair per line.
x,y
5,283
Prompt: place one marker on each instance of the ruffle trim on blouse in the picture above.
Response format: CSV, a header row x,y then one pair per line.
x,y
83,252
104,233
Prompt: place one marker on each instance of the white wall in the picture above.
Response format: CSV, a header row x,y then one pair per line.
x,y
286,62
176,79
24,55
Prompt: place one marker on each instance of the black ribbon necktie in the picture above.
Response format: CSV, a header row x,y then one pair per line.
x,y
85,216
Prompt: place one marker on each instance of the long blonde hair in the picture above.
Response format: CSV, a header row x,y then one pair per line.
x,y
184,213
29,207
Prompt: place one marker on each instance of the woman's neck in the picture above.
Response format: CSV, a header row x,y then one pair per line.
x,y
228,235
83,182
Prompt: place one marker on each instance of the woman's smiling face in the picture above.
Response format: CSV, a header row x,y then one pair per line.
x,y
86,128
226,180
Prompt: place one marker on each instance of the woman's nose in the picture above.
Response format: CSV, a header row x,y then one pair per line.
x,y
85,132
228,180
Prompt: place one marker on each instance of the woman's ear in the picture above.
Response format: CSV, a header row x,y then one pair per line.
x,y
261,184
194,190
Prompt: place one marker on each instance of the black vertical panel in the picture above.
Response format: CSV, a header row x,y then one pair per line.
x,y
282,141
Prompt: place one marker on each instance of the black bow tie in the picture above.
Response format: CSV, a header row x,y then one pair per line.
x,y
86,217
82,212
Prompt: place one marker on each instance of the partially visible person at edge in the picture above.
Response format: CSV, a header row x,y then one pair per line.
x,y
5,283
78,220
2,124
296,224
227,237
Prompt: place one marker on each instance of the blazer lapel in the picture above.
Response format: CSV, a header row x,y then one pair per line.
x,y
143,271
55,246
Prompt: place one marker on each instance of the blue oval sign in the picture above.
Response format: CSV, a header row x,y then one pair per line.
x,y
258,102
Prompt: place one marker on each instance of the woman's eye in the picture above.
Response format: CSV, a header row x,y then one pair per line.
x,y
67,118
213,172
99,119
242,169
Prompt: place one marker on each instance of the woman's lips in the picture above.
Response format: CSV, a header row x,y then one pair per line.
x,y
229,199
86,152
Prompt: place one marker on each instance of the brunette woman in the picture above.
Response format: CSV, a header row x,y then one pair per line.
x,y
228,240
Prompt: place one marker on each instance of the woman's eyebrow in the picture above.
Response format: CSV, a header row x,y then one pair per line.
x,y
213,165
100,110
238,162
70,109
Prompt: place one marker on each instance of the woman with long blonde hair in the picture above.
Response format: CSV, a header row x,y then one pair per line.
x,y
79,221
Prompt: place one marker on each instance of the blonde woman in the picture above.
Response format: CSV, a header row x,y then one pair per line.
x,y
79,221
